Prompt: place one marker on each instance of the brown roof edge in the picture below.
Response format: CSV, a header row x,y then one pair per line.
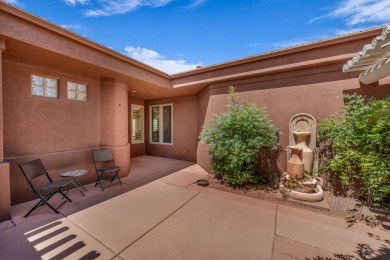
x,y
294,49
14,10
272,70
372,32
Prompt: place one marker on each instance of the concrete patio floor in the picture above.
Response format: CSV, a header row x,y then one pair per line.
x,y
173,218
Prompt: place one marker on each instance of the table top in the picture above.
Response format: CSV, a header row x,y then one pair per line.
x,y
74,173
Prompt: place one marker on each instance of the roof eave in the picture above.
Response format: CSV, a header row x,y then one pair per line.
x,y
291,50
76,37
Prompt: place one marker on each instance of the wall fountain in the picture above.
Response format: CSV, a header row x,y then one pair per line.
x,y
301,181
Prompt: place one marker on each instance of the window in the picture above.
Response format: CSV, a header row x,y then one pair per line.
x,y
44,87
77,91
137,124
161,124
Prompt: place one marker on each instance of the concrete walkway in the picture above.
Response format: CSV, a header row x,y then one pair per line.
x,y
172,218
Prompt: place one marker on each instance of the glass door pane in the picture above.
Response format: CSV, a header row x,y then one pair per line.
x,y
155,124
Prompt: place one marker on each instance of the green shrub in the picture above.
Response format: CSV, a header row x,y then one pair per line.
x,y
359,139
235,139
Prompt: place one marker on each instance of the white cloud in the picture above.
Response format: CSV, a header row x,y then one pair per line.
x,y
77,28
73,26
112,7
196,3
75,2
13,2
291,43
360,11
301,40
348,31
158,61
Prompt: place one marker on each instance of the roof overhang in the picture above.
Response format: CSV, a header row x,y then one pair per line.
x,y
32,40
373,60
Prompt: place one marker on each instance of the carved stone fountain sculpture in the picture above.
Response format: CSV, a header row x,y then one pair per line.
x,y
301,181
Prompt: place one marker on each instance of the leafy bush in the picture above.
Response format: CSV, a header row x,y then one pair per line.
x,y
235,139
359,139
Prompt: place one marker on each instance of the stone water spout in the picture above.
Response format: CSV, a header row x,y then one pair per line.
x,y
307,153
300,182
295,166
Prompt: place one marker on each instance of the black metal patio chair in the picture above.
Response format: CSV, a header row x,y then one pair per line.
x,y
44,188
105,167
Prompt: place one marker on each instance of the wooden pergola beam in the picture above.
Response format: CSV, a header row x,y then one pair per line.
x,y
376,72
374,59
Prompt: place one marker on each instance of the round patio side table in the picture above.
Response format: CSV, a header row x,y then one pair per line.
x,y
74,175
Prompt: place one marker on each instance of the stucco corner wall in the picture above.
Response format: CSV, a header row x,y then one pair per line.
x,y
185,134
122,158
114,112
203,157
282,97
5,192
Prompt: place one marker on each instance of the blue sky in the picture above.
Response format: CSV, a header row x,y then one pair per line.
x,y
178,35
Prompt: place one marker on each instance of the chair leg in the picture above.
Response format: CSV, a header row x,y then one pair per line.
x,y
119,179
40,203
53,208
44,200
49,197
101,185
116,175
64,195
99,181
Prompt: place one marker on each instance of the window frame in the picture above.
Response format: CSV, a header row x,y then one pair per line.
x,y
44,86
135,106
161,124
77,92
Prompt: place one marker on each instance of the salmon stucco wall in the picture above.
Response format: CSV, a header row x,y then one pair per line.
x,y
5,192
60,132
114,121
185,134
317,94
34,124
137,149
56,130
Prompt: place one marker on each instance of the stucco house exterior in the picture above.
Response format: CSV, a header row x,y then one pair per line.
x,y
62,96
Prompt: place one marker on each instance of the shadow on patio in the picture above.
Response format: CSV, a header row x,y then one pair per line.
x,y
46,235
144,169
173,218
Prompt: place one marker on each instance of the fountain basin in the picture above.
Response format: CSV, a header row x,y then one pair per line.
x,y
318,194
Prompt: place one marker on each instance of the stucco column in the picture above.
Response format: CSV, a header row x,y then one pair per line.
x,y
114,121
5,194
2,49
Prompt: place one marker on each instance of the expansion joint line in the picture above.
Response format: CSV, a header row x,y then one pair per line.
x,y
159,223
276,221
